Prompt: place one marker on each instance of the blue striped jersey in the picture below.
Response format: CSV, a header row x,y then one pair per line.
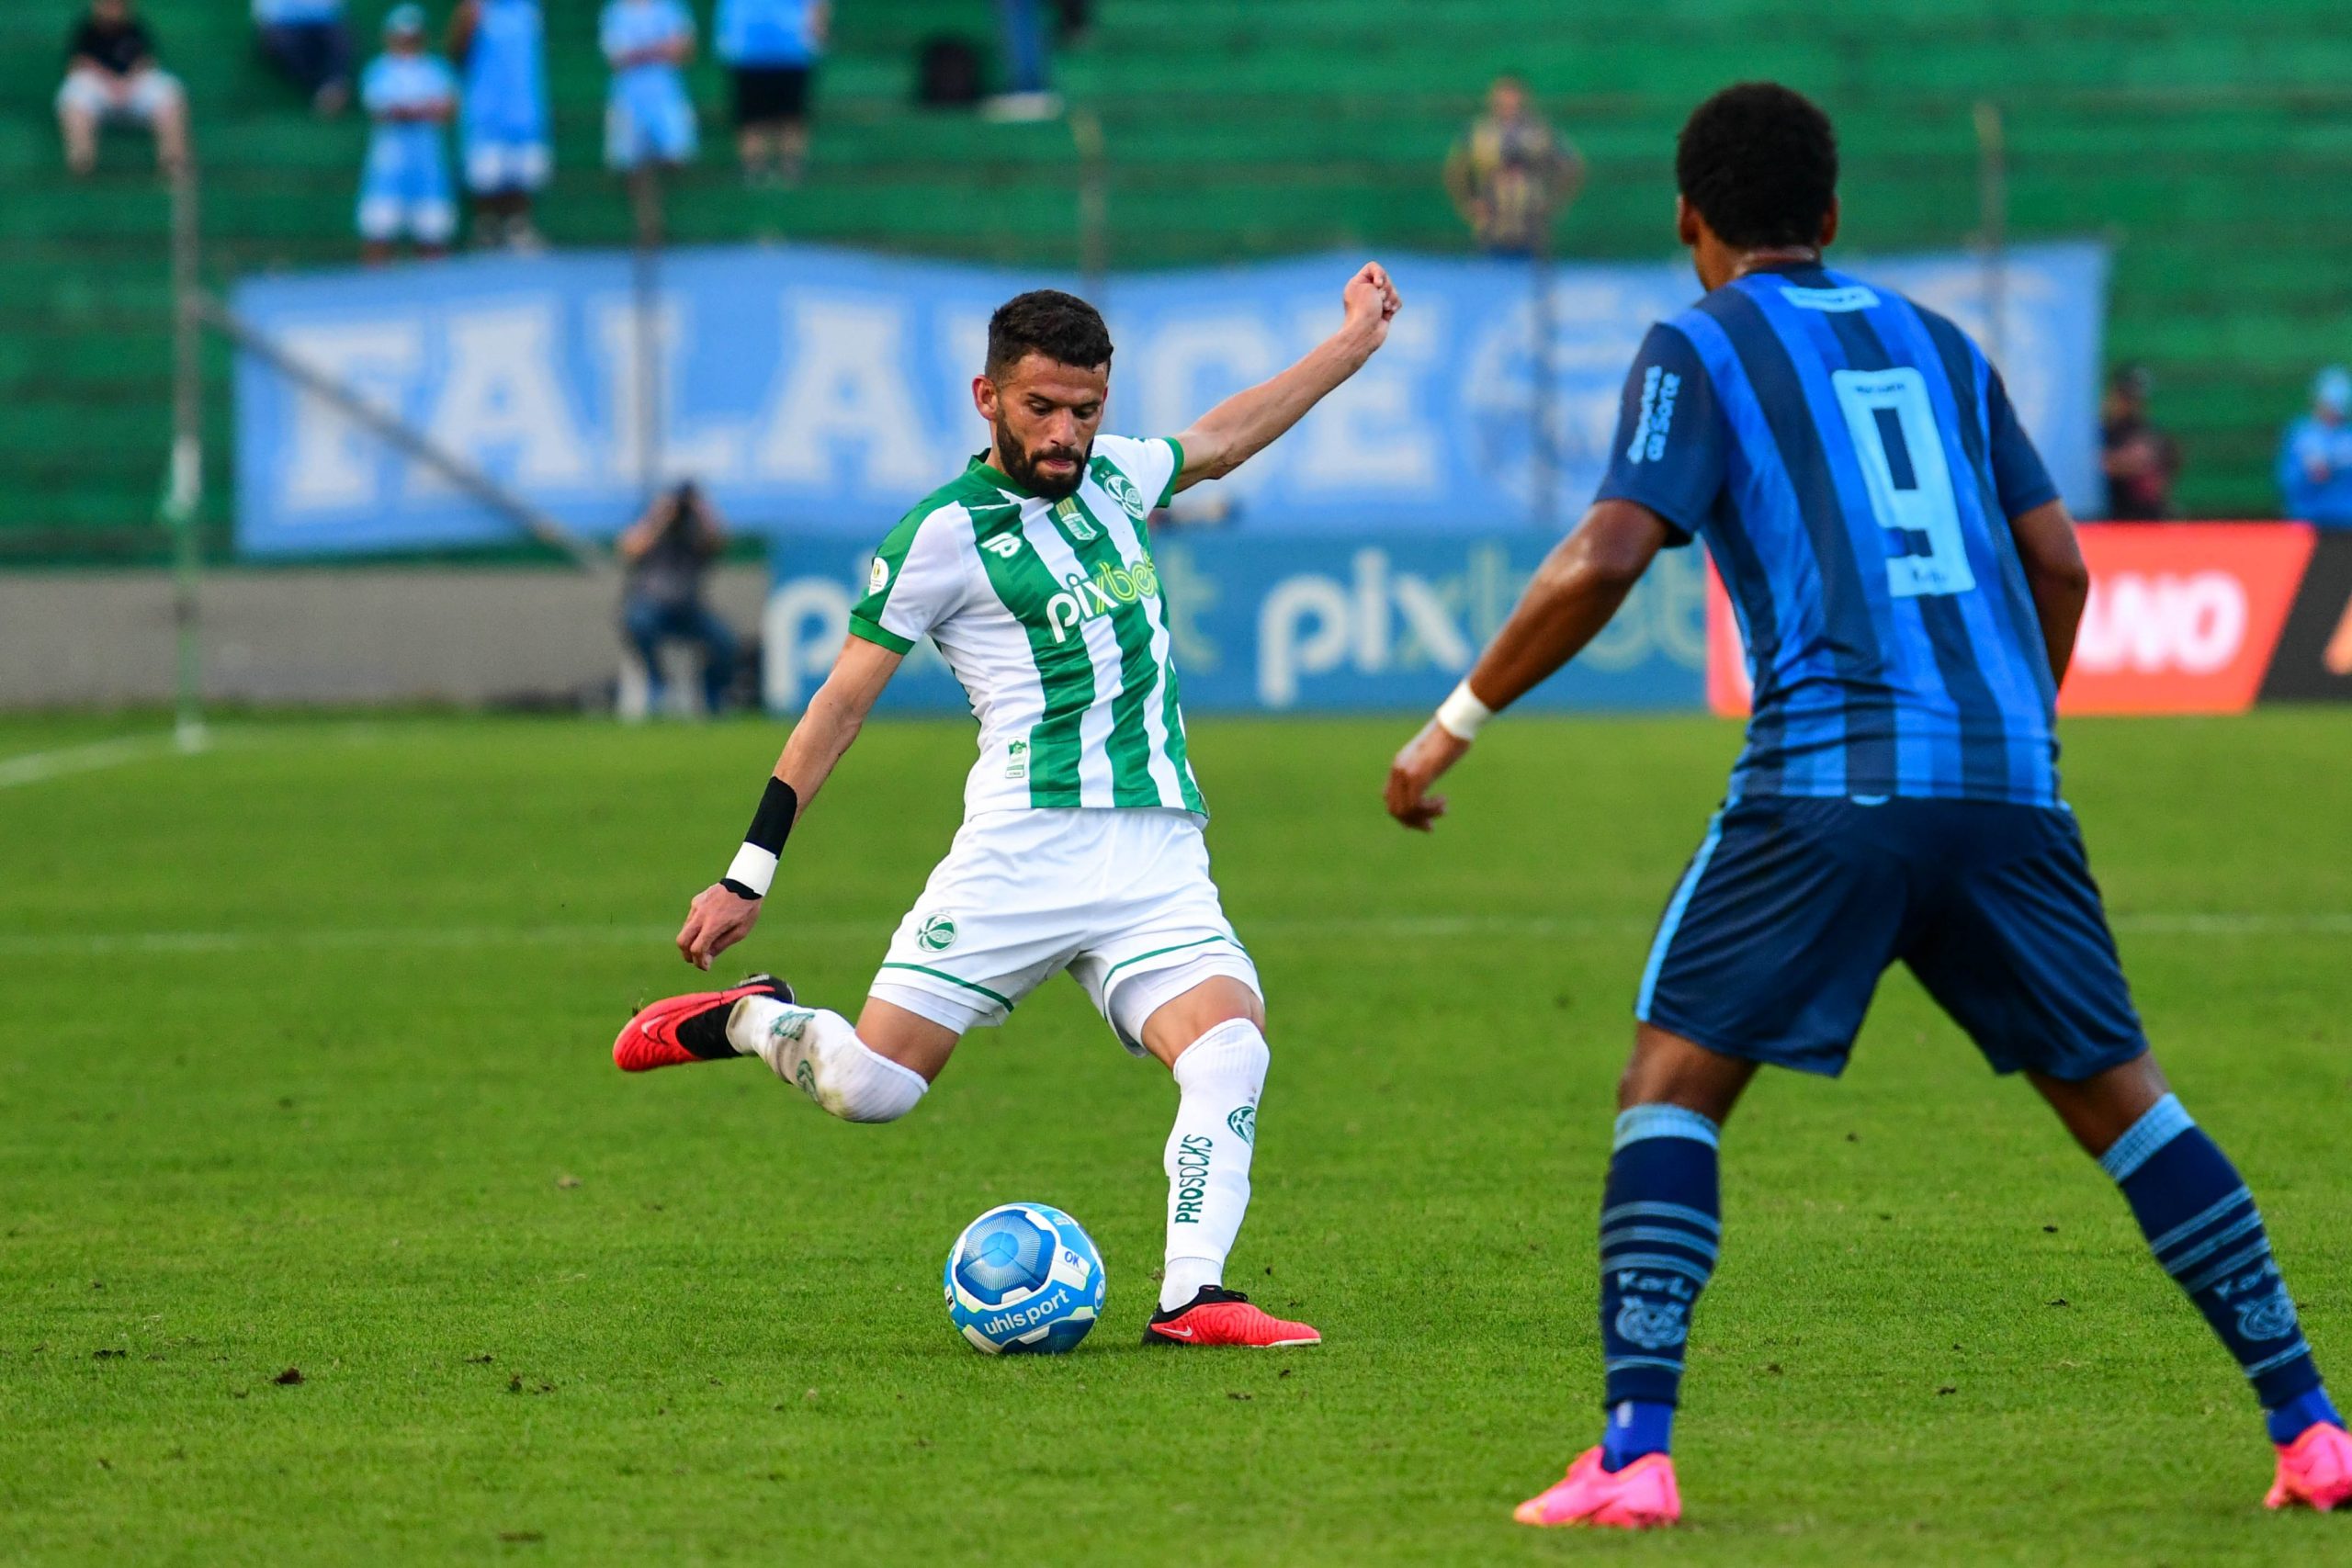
x,y
1852,462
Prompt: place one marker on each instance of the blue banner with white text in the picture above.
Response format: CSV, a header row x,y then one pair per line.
x,y
1381,622
819,393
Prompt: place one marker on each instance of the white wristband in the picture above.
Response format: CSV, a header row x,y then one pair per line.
x,y
1462,713
754,868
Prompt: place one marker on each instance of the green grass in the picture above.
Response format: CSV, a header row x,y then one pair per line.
x,y
306,1066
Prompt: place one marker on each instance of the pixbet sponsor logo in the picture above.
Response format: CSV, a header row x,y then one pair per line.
x,y
1085,598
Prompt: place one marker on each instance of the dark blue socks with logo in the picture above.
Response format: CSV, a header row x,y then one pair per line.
x,y
1660,1223
2201,1223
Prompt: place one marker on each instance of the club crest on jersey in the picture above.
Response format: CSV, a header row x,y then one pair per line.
x,y
1117,486
1652,1325
937,934
1084,598
1080,527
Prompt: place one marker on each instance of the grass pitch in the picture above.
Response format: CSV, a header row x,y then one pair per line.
x,y
305,1074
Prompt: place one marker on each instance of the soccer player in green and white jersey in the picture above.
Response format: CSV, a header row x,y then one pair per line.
x,y
1081,846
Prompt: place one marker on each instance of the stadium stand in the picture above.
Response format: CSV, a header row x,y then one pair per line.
x,y
2214,145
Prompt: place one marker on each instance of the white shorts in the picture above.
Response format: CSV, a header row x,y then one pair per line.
x,y
1120,899
429,221
91,93
493,166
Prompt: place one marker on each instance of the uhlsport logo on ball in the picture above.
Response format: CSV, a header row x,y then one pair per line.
x,y
1023,1276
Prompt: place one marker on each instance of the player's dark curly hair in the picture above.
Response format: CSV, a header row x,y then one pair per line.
x,y
1062,327
1759,161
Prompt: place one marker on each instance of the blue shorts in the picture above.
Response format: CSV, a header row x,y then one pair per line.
x,y
1793,907
648,127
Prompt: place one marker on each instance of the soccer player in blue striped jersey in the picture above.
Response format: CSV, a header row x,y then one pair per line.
x,y
1909,586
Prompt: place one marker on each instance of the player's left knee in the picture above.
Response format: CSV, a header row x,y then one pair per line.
x,y
1232,1051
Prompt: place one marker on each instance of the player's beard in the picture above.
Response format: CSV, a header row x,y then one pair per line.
x,y
1021,465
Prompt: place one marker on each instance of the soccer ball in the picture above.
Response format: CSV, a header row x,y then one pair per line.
x,y
1023,1276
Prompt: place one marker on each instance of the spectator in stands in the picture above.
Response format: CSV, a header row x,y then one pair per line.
x,y
668,552
311,46
649,119
111,78
2139,460
405,190
772,46
502,46
2316,459
1511,174
1028,56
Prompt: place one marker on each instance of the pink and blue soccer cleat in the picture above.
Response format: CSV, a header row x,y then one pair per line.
x,y
1641,1496
2316,1470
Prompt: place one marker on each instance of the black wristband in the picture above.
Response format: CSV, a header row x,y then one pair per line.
x,y
738,889
772,824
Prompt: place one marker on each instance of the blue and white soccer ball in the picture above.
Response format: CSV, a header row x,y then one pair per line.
x,y
1023,1276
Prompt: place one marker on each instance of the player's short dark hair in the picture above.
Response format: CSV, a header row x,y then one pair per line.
x,y
1759,161
1062,327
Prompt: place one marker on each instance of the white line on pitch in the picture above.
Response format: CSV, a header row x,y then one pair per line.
x,y
32,945
39,767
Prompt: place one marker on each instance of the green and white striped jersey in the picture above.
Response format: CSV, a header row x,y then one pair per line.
x,y
1049,614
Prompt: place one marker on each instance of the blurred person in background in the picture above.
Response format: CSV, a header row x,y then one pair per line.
x,y
772,46
2315,458
649,119
668,553
405,190
111,78
2139,460
502,46
1511,174
310,44
1028,59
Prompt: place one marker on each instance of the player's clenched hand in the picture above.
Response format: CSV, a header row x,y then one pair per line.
x,y
1372,301
715,921
1417,767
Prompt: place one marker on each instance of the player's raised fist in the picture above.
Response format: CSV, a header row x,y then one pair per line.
x,y
1371,301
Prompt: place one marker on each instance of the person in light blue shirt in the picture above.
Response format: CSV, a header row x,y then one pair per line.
x,y
308,43
503,45
410,96
649,119
2315,458
772,46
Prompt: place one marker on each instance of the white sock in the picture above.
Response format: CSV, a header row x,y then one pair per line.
x,y
1218,1077
820,1051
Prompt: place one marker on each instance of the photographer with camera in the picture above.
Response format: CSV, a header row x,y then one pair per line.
x,y
668,552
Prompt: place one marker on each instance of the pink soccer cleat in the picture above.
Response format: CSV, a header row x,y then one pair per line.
x,y
1641,1496
1219,1316
2314,1470
692,1028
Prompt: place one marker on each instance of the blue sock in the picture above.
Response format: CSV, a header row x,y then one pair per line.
x,y
2201,1223
2300,1415
1660,1221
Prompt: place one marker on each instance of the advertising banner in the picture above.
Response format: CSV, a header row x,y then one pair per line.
x,y
2314,658
818,393
1383,623
2182,618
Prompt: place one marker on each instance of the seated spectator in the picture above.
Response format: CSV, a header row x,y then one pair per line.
x,y
1511,174
2316,459
668,552
2139,460
405,191
503,44
772,46
311,46
111,78
649,119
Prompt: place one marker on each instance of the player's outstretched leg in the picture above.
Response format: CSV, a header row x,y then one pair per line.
x,y
1660,1225
1218,1079
818,1051
2205,1231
